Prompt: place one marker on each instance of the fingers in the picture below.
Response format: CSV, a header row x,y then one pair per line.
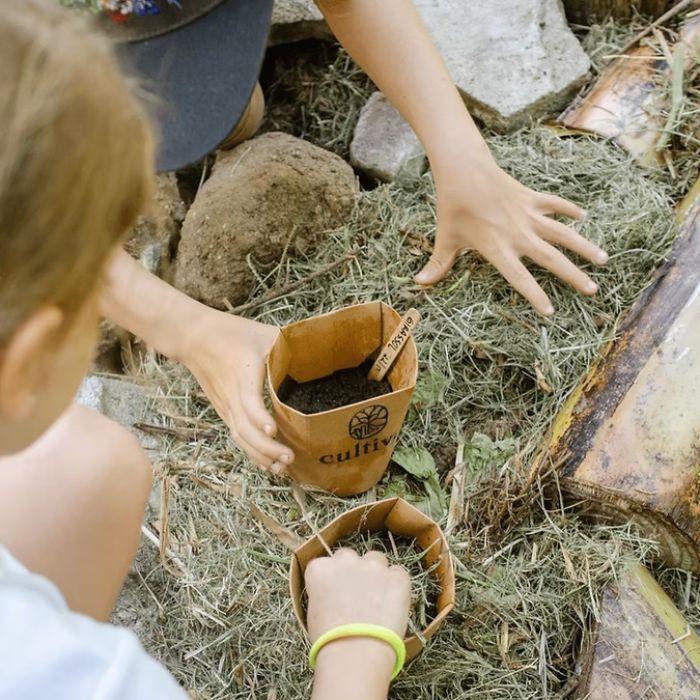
x,y
263,450
320,566
551,204
346,554
517,275
376,558
252,400
439,265
561,235
258,458
556,262
350,556
255,427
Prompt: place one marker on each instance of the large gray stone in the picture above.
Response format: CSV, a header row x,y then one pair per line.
x,y
296,20
124,402
512,60
384,145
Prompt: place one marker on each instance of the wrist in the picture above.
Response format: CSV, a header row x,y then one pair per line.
x,y
352,668
463,161
457,141
186,330
149,308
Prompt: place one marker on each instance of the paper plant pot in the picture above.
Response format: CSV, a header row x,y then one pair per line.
x,y
345,450
401,519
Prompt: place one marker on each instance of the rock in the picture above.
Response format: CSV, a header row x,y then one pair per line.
x,y
512,60
134,608
108,353
296,20
268,195
155,235
384,146
124,402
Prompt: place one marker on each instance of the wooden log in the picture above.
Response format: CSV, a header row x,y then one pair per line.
x,y
627,442
628,101
587,11
641,646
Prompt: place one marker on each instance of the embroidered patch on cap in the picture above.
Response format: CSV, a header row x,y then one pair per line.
x,y
120,10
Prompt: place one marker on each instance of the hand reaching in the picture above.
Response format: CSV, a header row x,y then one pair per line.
x,y
347,588
227,356
344,589
482,208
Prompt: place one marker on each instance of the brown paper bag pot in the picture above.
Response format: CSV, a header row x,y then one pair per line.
x,y
345,450
402,519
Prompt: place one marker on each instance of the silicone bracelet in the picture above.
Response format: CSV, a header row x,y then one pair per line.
x,y
359,629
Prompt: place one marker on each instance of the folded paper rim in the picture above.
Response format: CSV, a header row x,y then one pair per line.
x,y
400,518
380,305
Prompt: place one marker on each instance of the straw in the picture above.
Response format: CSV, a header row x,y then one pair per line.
x,y
492,376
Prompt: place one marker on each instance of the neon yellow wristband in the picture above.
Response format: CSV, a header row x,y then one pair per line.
x,y
360,629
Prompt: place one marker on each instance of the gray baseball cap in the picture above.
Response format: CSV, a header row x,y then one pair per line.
x,y
201,60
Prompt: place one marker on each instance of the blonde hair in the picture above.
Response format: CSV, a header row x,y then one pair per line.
x,y
75,159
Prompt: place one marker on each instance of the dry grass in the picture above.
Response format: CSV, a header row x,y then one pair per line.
x,y
492,376
314,91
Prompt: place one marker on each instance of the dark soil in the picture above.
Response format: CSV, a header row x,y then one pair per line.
x,y
344,387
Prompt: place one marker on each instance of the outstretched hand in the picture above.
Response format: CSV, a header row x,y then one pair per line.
x,y
227,356
480,207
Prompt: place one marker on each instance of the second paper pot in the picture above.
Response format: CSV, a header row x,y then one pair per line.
x,y
401,519
345,450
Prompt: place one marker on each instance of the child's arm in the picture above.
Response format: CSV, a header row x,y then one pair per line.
x,y
479,205
346,589
225,353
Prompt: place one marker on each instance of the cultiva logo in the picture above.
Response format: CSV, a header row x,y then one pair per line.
x,y
364,427
368,422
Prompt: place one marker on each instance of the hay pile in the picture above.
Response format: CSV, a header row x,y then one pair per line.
x,y
492,376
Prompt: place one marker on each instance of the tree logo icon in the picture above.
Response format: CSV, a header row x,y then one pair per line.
x,y
368,422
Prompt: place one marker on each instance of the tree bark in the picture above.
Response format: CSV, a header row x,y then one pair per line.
x,y
626,444
641,646
629,101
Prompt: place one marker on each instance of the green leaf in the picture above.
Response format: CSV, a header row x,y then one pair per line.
x,y
417,461
437,498
397,487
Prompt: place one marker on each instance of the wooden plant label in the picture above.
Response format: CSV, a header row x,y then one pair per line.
x,y
393,347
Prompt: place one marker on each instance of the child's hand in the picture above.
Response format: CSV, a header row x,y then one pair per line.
x,y
347,588
227,356
482,208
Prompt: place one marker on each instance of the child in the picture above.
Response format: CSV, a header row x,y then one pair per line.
x,y
75,170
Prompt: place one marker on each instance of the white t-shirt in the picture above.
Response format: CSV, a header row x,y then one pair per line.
x,y
48,652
